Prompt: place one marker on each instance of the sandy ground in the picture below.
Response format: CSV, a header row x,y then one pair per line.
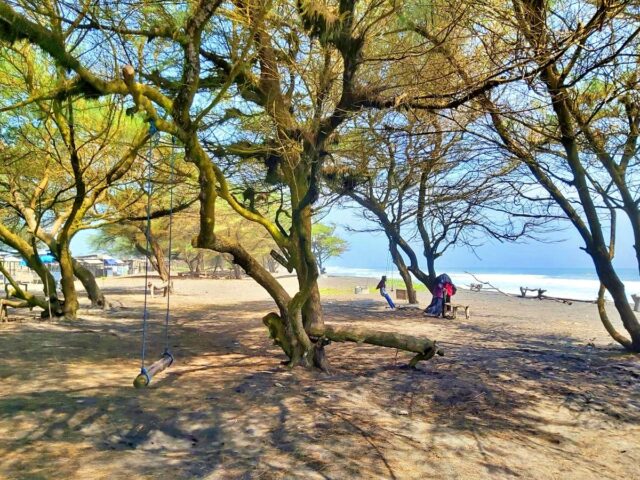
x,y
527,389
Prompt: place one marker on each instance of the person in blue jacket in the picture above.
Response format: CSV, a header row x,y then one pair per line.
x,y
382,286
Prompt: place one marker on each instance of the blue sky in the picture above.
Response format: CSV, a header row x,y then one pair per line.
x,y
370,250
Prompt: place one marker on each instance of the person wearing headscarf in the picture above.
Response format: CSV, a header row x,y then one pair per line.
x,y
382,286
443,290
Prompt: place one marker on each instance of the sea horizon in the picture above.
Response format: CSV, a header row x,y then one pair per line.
x,y
580,283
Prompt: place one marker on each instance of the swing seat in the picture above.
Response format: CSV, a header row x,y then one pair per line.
x,y
146,375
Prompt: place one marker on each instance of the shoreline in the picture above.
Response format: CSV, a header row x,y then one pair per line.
x,y
582,289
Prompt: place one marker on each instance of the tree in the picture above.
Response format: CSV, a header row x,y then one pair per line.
x,y
301,79
68,163
574,135
417,180
265,76
325,244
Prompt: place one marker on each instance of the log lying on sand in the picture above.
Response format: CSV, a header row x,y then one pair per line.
x,y
423,347
144,378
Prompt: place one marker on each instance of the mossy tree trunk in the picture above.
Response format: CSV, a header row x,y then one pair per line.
x,y
32,259
90,284
404,272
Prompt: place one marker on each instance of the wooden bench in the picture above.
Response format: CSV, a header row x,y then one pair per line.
x,y
451,310
401,294
163,288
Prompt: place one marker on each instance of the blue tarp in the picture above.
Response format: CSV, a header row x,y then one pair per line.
x,y
110,262
47,258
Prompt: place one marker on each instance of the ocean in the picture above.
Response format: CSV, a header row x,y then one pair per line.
x,y
577,283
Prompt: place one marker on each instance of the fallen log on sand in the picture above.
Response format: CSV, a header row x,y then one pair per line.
x,y
423,347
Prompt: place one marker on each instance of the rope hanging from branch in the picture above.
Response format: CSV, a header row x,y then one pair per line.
x,y
166,359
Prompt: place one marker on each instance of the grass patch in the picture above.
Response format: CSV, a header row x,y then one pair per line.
x,y
398,283
335,291
392,285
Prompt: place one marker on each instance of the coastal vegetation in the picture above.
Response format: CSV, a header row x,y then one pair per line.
x,y
453,122
218,143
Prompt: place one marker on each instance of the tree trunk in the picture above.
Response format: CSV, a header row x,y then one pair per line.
x,y
190,264
304,309
312,311
237,271
320,266
157,259
615,287
431,266
394,235
427,246
90,285
47,304
617,336
404,272
200,266
70,306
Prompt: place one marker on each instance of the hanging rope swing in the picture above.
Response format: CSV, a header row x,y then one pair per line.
x,y
390,269
166,359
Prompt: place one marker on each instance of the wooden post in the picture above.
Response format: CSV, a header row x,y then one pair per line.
x,y
144,378
636,303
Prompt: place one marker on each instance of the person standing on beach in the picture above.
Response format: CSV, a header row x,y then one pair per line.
x,y
382,285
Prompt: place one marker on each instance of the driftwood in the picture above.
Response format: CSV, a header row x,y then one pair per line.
x,y
636,303
423,347
475,287
524,290
491,287
144,378
540,295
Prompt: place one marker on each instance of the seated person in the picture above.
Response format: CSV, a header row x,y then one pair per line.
x,y
444,289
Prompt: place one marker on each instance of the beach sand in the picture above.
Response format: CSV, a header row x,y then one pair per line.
x,y
527,389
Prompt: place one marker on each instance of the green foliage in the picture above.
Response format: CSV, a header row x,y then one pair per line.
x,y
325,244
